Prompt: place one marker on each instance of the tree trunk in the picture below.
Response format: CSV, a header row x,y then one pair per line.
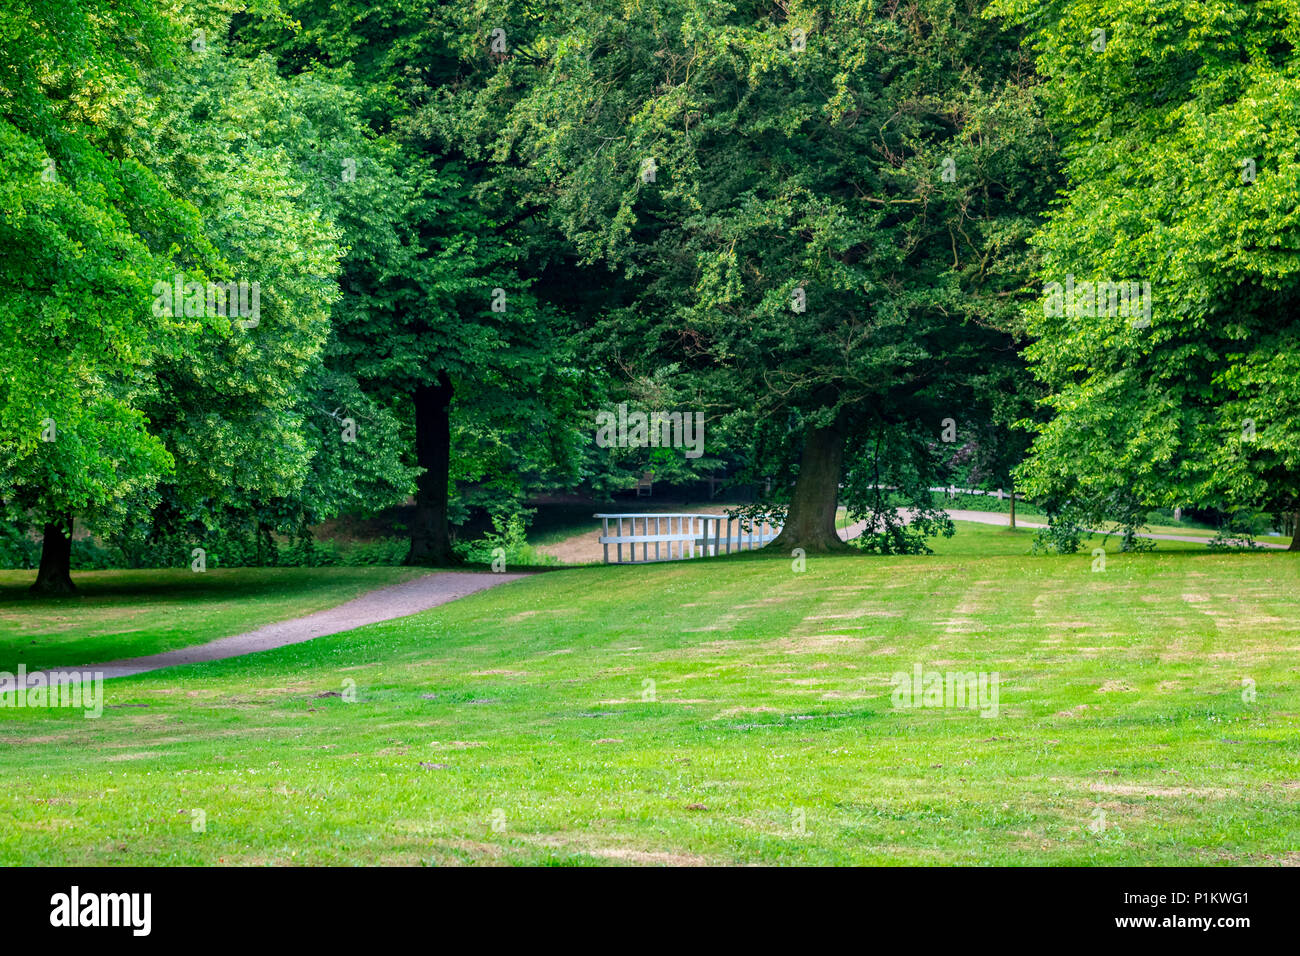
x,y
1013,506
430,534
54,576
810,523
1295,531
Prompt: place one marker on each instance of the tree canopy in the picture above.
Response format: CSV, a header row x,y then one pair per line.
x,y
824,208
271,262
1180,126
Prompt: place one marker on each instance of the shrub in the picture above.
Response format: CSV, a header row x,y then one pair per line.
x,y
510,536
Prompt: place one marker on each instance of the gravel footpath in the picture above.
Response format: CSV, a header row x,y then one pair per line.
x,y
383,604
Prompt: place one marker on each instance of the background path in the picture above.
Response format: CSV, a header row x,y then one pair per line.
x,y
384,604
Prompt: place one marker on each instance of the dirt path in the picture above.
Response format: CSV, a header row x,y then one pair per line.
x,y
384,604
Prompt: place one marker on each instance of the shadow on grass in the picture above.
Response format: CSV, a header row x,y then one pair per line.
x,y
169,583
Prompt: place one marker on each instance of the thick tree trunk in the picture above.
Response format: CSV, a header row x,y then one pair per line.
x,y
1295,531
810,523
1013,506
430,534
54,576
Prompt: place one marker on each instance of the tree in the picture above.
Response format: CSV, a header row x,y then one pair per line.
x,y
824,207
440,320
158,348
86,229
267,429
1193,399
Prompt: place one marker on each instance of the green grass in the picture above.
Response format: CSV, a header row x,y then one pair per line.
x,y
1120,693
131,613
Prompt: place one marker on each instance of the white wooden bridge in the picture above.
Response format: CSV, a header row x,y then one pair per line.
x,y
694,535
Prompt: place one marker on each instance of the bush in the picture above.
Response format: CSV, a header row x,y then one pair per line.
x,y
222,548
1239,530
389,551
18,551
510,537
89,555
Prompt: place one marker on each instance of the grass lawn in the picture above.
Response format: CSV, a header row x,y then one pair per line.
x,y
130,613
517,725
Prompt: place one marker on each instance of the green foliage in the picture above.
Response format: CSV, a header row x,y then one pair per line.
x,y
17,549
231,546
1063,535
87,228
507,541
751,515
893,469
1180,138
280,435
1239,530
140,414
432,236
779,173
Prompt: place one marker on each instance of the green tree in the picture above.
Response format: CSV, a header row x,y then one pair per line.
x,y
86,230
267,429
441,319
158,351
823,205
1181,123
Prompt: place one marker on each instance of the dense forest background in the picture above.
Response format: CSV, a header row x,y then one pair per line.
x,y
271,269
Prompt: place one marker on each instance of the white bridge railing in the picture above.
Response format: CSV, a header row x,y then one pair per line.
x,y
709,535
